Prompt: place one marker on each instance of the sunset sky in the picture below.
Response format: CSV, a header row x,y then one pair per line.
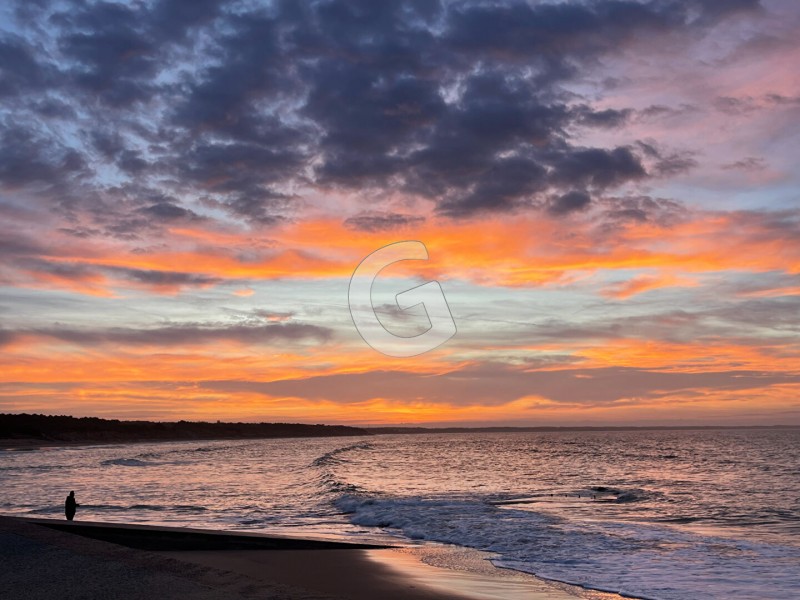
x,y
608,190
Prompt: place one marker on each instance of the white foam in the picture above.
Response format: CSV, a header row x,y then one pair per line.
x,y
641,560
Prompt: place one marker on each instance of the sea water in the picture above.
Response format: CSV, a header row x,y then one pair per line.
x,y
654,514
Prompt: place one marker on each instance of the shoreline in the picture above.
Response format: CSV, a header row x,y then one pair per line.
x,y
33,444
22,444
294,568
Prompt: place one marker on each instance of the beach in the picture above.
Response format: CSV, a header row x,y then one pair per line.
x,y
487,514
40,562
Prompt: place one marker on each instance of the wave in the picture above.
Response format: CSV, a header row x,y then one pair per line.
x,y
635,559
46,510
128,462
610,494
208,449
599,494
181,508
135,462
26,468
335,456
167,457
111,508
325,464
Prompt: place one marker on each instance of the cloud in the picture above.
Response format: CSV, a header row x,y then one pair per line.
x,y
744,321
642,284
165,279
597,167
20,71
744,105
168,211
6,337
115,59
381,221
28,157
573,153
13,244
241,107
660,111
492,384
642,209
608,118
98,279
750,163
569,202
192,334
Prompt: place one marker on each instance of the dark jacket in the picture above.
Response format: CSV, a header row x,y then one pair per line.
x,y
70,506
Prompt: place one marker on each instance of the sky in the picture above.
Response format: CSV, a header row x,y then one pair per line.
x,y
607,190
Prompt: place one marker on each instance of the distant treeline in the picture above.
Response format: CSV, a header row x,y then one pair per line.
x,y
57,429
48,428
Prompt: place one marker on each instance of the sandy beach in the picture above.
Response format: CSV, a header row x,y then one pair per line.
x,y
40,562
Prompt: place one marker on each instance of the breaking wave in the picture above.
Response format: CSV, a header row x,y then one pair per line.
x,y
640,560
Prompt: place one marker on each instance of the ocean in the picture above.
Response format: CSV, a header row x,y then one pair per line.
x,y
666,515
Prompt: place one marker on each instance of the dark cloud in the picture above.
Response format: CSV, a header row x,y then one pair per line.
x,y
781,100
168,211
607,119
28,158
597,167
744,105
75,271
507,184
712,9
659,111
238,106
674,164
185,334
63,270
750,163
258,205
110,144
569,202
165,278
555,33
659,211
248,65
173,19
14,244
20,71
735,106
115,60
378,221
666,163
129,211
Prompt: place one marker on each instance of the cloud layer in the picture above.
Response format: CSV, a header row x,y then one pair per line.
x,y
607,190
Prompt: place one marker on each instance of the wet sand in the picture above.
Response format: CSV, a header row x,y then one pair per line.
x,y
389,574
39,562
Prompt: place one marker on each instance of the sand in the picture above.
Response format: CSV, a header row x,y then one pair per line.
x,y
38,562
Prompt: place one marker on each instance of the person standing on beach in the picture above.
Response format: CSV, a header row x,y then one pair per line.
x,y
70,506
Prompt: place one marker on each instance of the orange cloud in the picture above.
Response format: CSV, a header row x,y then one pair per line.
x,y
640,285
768,356
523,250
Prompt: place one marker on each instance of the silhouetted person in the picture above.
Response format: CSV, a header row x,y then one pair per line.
x,y
70,505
